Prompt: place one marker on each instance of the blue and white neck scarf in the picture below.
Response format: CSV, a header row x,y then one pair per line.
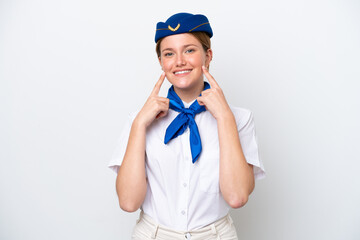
x,y
185,118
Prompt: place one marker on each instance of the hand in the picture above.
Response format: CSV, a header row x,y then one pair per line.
x,y
155,106
213,98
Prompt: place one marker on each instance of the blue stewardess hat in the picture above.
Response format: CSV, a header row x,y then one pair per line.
x,y
183,23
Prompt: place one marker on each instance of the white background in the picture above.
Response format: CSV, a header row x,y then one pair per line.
x,y
71,71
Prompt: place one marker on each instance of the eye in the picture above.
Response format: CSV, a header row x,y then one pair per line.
x,y
168,54
190,50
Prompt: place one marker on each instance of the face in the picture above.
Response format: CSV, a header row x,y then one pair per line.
x,y
181,58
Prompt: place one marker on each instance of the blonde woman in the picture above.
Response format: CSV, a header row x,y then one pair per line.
x,y
185,159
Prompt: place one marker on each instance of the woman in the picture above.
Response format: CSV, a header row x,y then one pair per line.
x,y
186,159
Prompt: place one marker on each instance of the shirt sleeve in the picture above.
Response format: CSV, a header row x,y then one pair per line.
x,y
248,140
121,144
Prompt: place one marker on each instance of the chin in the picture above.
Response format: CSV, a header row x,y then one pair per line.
x,y
184,83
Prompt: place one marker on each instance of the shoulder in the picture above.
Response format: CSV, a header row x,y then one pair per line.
x,y
240,111
242,115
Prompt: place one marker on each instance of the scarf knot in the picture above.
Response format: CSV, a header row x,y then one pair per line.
x,y
189,112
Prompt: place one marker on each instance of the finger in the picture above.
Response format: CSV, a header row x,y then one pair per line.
x,y
163,110
205,92
162,105
162,114
212,81
200,101
158,84
164,100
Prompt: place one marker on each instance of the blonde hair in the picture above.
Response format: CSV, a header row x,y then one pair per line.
x,y
203,38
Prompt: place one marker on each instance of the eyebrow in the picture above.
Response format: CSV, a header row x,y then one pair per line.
x,y
185,46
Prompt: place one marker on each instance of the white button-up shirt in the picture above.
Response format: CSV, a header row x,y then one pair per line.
x,y
182,195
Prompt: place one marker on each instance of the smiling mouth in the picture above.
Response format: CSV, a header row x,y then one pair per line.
x,y
182,72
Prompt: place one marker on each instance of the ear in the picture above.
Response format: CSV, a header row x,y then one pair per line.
x,y
160,62
209,56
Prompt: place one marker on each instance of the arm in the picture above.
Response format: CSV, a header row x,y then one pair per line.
x,y
131,180
236,176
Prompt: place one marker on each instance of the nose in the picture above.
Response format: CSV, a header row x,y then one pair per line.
x,y
180,60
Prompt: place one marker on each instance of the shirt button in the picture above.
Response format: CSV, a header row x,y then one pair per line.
x,y
183,212
184,184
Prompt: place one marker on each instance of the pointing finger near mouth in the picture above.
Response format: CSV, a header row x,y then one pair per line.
x,y
158,84
212,81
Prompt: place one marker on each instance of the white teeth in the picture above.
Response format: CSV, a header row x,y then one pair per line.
x,y
181,72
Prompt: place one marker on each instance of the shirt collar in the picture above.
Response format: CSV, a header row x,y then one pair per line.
x,y
187,105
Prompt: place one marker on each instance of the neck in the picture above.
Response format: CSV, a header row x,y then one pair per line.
x,y
188,95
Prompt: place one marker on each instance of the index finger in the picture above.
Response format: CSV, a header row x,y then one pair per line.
x,y
158,84
212,81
